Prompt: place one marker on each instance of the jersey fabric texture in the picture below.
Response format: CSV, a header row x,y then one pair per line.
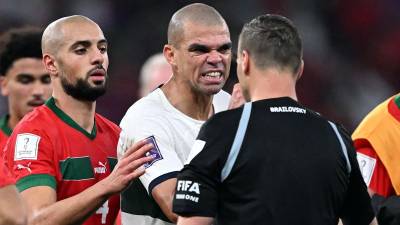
x,y
6,178
47,148
290,166
173,133
380,131
5,132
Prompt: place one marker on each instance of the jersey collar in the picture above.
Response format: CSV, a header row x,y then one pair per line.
x,y
4,125
68,120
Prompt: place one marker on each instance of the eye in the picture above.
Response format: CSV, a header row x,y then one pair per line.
x,y
45,79
25,78
80,51
103,49
225,49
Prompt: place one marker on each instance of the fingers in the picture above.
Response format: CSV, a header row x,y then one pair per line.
x,y
136,146
237,98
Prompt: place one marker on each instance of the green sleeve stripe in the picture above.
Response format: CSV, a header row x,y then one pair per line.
x,y
36,180
113,162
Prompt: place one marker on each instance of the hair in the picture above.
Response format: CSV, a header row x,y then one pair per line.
x,y
19,43
52,37
272,41
198,13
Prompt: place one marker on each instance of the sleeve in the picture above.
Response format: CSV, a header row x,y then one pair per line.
x,y
357,207
166,163
199,182
373,170
385,202
30,157
6,178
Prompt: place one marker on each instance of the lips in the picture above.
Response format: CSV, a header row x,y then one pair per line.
x,y
97,75
35,103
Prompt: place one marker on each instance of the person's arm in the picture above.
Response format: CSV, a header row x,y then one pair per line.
x,y
385,202
43,207
12,210
195,220
163,194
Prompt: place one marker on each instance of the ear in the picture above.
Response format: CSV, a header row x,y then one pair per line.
x,y
301,69
245,62
3,84
50,64
169,54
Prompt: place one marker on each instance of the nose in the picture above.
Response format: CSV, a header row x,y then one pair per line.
x,y
214,57
38,88
97,57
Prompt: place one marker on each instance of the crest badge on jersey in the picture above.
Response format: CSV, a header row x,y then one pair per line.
x,y
155,152
26,146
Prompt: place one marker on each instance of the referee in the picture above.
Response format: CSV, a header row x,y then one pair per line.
x,y
272,161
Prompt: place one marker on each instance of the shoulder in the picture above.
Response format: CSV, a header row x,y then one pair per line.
x,y
148,107
38,119
225,120
104,123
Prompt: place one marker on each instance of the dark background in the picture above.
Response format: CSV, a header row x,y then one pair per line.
x,y
351,47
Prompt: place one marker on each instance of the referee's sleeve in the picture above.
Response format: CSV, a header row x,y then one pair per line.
x,y
199,181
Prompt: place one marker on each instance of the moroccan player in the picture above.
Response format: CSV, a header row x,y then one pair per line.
x,y
64,154
24,80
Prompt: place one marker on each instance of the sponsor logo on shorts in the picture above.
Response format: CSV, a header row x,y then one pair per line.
x,y
289,109
154,152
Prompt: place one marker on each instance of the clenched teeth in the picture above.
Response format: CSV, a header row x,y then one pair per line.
x,y
213,74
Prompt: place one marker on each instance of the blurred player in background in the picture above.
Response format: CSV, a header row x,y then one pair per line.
x,y
155,71
377,140
24,80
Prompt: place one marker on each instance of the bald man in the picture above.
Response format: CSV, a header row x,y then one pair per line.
x,y
199,53
63,153
155,71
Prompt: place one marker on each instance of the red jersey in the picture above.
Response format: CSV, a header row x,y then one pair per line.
x,y
47,148
5,132
372,168
5,176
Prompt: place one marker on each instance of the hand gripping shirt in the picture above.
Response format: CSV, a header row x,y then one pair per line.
x,y
47,148
173,134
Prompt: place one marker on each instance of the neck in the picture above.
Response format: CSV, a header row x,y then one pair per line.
x,y
80,111
13,120
194,104
272,84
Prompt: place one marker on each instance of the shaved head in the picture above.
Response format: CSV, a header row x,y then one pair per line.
x,y
196,13
53,35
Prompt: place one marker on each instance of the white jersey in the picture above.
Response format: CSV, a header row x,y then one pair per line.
x,y
173,133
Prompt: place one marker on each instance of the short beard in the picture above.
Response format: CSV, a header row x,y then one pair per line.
x,y
82,90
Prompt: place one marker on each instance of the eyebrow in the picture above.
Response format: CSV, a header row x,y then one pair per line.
x,y
204,48
86,43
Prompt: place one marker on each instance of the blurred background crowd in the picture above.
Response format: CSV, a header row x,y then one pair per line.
x,y
351,48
